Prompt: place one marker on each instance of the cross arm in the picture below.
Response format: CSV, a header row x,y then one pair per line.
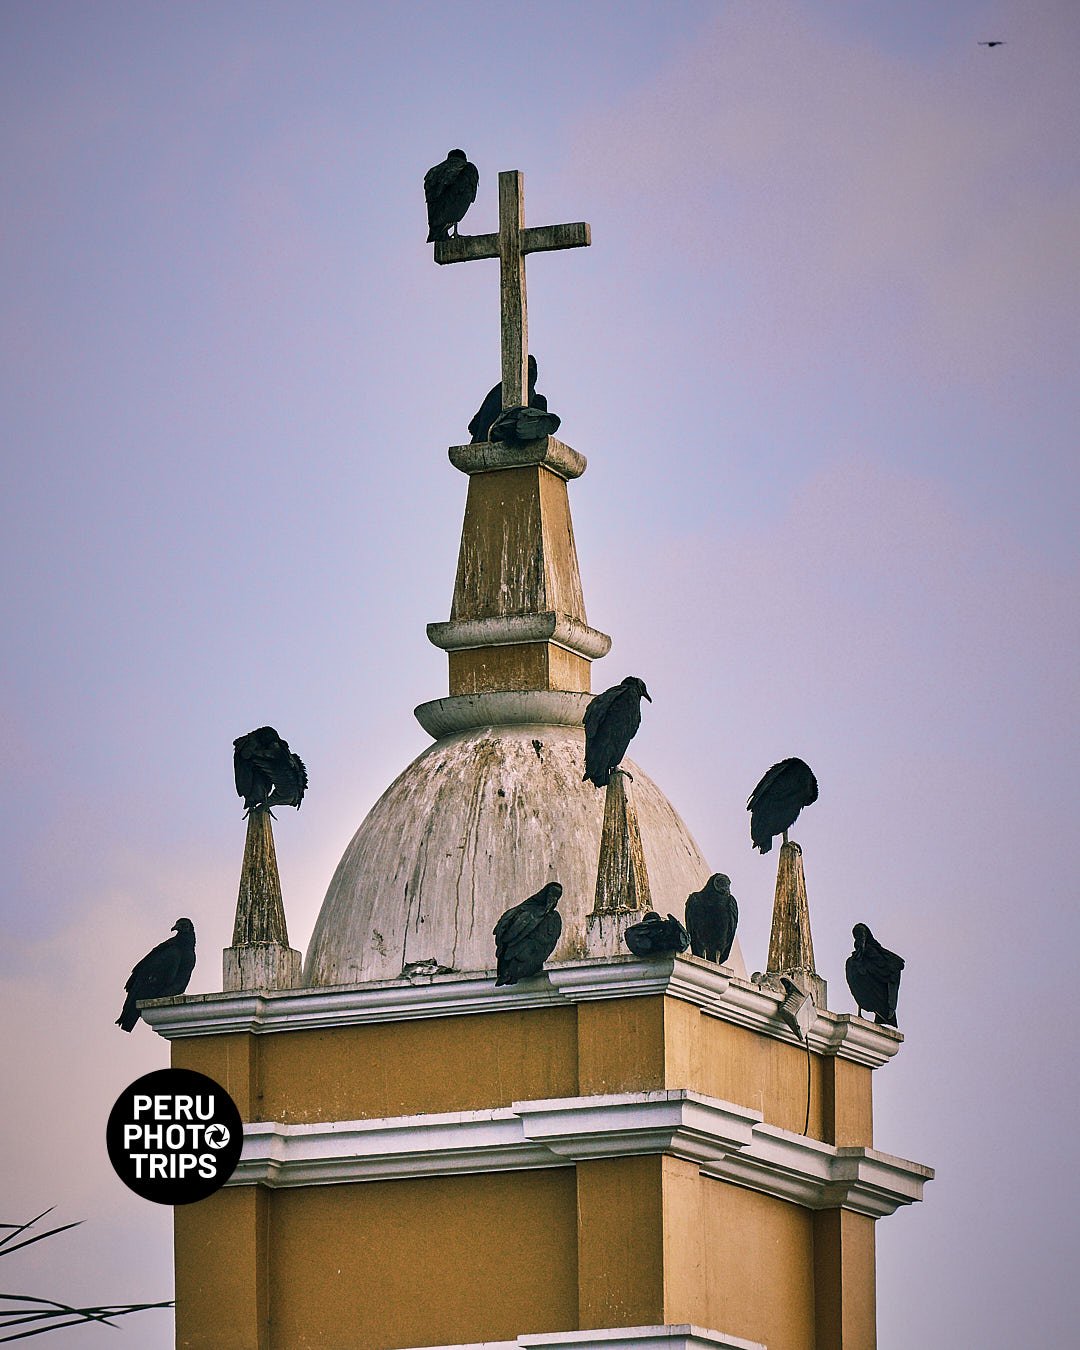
x,y
534,239
467,247
541,238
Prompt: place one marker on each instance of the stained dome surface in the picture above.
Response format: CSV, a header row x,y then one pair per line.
x,y
479,821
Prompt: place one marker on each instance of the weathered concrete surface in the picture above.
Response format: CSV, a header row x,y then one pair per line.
x,y
622,874
791,948
261,965
478,822
260,956
260,914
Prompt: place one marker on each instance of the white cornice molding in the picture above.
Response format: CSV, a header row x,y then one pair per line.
x,y
819,1176
725,1141
683,1337
508,630
710,987
449,716
686,1124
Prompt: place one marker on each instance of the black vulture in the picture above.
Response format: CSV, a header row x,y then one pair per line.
x,y
267,772
611,720
775,803
517,426
162,973
492,406
711,919
526,935
655,936
450,189
873,976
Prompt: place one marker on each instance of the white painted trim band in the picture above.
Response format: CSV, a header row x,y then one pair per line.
x,y
724,1140
683,1337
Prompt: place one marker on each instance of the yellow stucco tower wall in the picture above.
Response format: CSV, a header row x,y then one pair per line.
x,y
443,1163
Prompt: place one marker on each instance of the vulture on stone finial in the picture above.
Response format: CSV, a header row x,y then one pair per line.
x,y
711,919
526,935
655,936
450,189
267,772
873,976
491,410
611,722
162,973
518,426
775,803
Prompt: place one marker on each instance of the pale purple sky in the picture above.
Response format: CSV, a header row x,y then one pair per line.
x,y
822,359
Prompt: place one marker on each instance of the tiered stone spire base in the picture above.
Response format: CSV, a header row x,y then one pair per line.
x,y
518,616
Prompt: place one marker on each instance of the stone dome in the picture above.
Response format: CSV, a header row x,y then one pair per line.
x,y
482,819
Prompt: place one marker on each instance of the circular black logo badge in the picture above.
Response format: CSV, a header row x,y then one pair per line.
x,y
174,1136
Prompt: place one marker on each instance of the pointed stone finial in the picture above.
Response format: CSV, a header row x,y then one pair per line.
x,y
260,956
622,879
791,948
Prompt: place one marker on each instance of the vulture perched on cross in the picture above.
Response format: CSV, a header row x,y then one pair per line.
x,y
162,973
450,189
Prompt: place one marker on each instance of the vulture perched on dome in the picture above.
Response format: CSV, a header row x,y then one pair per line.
x,y
526,935
655,936
775,803
611,721
711,919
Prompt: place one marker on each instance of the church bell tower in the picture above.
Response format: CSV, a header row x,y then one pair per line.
x,y
619,1152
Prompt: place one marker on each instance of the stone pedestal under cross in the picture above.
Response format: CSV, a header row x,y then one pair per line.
x,y
510,246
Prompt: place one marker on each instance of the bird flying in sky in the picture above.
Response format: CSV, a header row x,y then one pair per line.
x,y
527,934
873,976
996,42
267,772
450,189
775,803
162,973
611,721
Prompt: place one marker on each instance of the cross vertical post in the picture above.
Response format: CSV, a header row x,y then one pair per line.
x,y
513,303
510,246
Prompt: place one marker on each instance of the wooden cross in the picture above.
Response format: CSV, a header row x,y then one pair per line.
x,y
510,246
